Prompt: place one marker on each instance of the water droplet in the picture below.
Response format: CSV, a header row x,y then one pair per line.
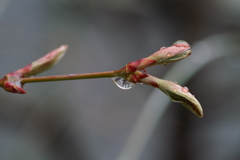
x,y
123,83
174,82
169,54
181,43
185,89
162,48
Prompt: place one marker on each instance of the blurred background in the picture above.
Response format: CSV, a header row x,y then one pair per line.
x,y
92,119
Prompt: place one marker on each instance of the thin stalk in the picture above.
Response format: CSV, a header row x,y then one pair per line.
x,y
107,74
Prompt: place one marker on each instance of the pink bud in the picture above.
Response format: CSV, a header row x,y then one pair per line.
x,y
12,81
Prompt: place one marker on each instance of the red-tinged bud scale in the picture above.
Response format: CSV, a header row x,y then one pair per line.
x,y
11,83
139,65
13,88
154,84
130,69
141,76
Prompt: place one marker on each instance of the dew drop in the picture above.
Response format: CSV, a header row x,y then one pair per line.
x,y
181,43
123,83
185,89
169,54
175,82
162,48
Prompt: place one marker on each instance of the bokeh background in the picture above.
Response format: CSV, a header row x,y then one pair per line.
x,y
92,119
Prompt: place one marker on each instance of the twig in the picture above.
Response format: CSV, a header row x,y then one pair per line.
x,y
107,74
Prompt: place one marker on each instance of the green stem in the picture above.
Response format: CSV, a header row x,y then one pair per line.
x,y
107,74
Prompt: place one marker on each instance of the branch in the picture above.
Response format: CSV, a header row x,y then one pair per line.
x,y
107,74
125,78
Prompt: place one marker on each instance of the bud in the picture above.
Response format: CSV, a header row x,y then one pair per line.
x,y
12,81
43,63
178,51
174,91
181,95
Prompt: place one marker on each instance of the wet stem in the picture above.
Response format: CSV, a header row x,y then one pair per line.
x,y
106,74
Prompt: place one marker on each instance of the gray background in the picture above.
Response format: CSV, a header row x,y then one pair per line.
x,y
91,119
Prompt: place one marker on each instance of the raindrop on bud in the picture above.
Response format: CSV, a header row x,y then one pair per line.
x,y
169,54
181,43
185,89
123,83
162,48
175,82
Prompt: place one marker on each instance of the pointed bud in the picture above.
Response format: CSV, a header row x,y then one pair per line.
x,y
178,51
43,63
12,81
181,95
174,91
